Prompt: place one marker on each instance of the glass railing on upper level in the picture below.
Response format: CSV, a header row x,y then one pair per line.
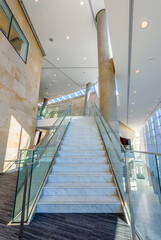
x,y
51,111
34,167
138,178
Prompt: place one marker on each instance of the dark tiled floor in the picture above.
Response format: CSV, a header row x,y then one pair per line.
x,y
59,226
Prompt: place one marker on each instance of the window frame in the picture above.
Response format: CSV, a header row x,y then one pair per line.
x,y
8,32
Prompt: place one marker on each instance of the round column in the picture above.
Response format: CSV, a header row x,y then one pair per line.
x,y
107,89
87,99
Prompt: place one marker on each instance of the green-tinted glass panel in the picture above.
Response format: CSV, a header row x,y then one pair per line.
x,y
18,40
39,162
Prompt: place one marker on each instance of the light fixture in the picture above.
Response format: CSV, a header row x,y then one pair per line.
x,y
144,24
36,0
51,39
156,100
50,84
81,3
151,58
134,91
58,59
137,71
84,58
68,84
54,75
132,103
67,37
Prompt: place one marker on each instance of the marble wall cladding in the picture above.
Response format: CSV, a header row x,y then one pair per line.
x,y
19,91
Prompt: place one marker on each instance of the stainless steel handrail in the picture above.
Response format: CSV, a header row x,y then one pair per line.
x,y
134,228
42,140
122,146
27,174
132,221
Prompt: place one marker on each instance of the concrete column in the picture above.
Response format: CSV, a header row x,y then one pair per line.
x,y
87,99
44,105
107,89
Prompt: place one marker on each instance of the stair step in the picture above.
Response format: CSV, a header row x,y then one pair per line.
x,y
83,142
62,160
80,167
81,177
81,154
79,204
79,189
82,148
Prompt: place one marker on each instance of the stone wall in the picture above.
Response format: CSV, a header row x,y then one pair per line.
x,y
19,90
78,103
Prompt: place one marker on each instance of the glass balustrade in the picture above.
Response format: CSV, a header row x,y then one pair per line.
x,y
138,177
34,166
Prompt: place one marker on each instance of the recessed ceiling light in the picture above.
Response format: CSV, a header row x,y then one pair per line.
x,y
50,84
137,71
36,0
151,58
67,37
156,100
81,3
68,84
84,58
54,75
58,59
132,103
144,24
134,91
51,39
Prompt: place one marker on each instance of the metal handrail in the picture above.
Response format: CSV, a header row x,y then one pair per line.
x,y
122,146
42,140
135,231
27,173
117,182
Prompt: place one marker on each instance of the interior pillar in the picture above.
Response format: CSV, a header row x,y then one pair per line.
x,y
45,102
87,99
107,89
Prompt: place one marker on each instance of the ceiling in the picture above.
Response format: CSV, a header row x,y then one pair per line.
x,y
58,19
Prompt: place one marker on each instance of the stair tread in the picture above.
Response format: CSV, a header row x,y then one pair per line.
x,y
82,157
82,150
103,173
80,185
80,164
79,199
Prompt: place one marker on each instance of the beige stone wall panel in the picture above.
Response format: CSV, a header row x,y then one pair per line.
x,y
19,90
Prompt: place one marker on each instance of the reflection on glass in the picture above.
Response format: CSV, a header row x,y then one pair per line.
x,y
18,40
5,17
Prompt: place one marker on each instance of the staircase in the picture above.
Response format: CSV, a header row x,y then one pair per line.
x,y
80,180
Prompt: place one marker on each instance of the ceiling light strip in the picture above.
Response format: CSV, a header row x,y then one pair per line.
x,y
131,13
61,72
93,15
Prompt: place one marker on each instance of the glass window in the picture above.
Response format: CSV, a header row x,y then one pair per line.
x,y
18,40
12,31
5,17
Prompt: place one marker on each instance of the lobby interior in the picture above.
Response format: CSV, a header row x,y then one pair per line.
x,y
80,119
